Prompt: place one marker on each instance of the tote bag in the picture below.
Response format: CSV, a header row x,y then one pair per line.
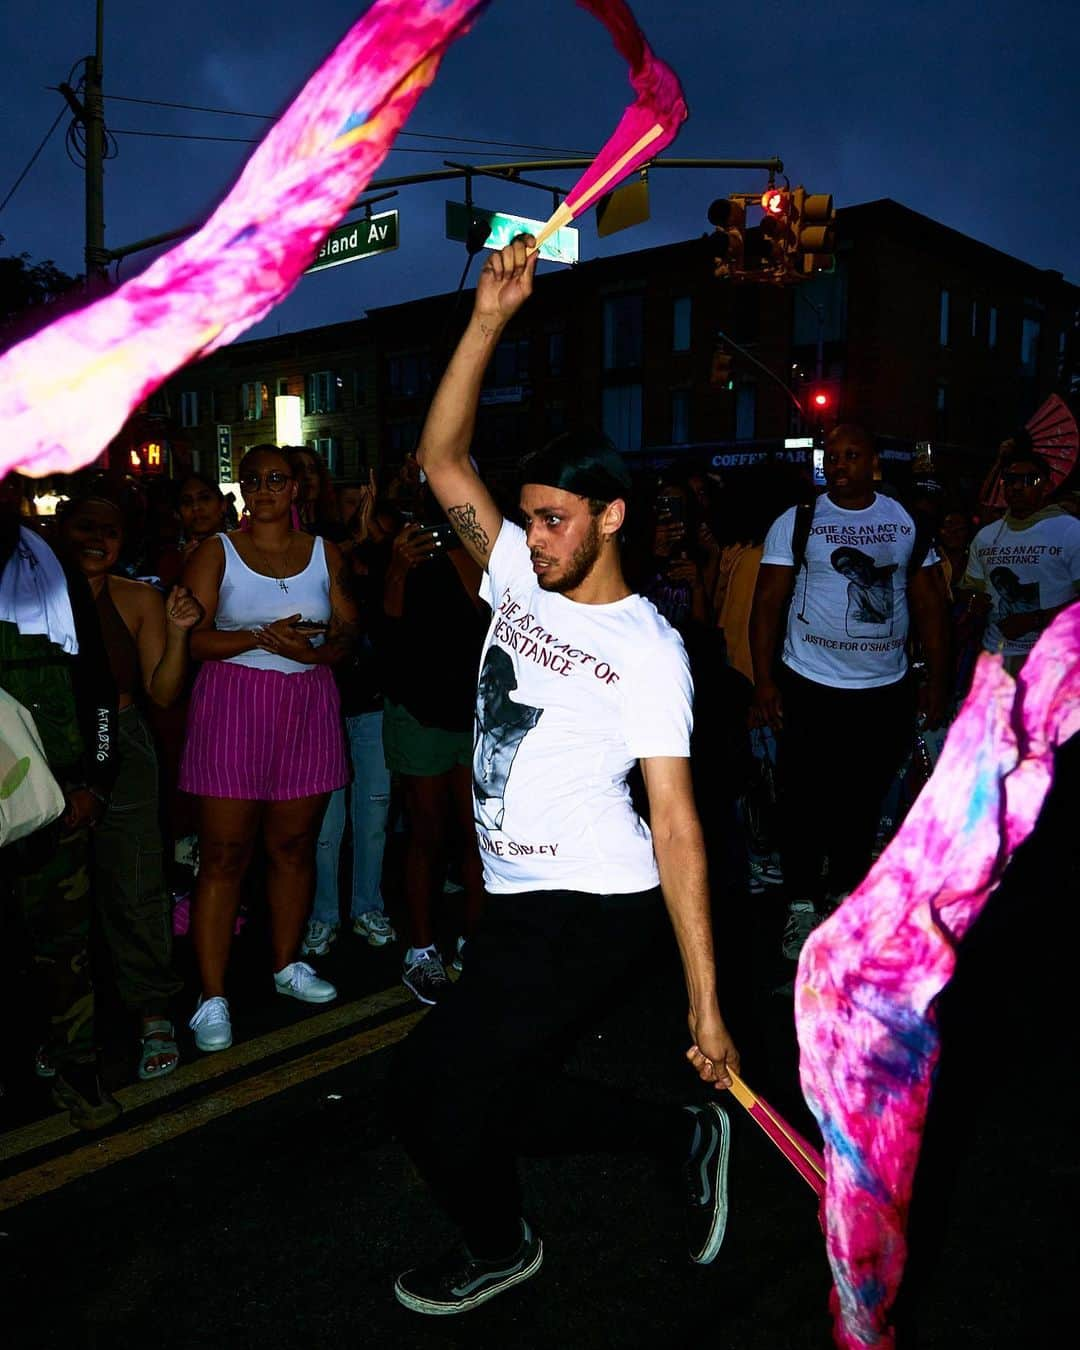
x,y
30,796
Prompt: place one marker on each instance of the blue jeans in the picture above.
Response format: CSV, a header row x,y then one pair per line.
x,y
370,791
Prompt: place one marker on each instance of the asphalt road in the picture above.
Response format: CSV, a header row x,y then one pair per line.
x,y
257,1198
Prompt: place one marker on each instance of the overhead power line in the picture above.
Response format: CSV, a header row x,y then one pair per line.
x,y
254,140
33,158
269,117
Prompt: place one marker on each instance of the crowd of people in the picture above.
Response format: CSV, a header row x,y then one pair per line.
x,y
398,653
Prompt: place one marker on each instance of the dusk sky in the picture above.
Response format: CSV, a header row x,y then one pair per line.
x,y
966,112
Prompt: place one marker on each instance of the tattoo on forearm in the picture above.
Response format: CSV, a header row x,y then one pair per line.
x,y
463,518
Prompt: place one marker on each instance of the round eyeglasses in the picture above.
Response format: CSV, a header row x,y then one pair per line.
x,y
274,481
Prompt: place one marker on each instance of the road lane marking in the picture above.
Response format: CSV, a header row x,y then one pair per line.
x,y
92,1157
208,1067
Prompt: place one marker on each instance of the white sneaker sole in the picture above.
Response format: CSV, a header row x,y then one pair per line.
x,y
432,1309
715,1238
373,939
208,1049
307,998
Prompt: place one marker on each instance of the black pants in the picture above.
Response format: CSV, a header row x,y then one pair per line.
x,y
837,754
480,1079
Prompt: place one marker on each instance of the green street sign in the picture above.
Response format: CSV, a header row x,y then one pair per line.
x,y
359,239
502,229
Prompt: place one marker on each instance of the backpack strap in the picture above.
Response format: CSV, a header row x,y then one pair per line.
x,y
921,546
800,533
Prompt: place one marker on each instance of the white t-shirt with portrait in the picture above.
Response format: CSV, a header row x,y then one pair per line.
x,y
570,696
1024,565
848,619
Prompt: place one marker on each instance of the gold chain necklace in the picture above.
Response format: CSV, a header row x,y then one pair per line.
x,y
267,563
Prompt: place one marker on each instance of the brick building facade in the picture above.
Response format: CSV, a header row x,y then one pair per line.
x,y
924,333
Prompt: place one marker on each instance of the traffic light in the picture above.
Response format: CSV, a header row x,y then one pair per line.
x,y
820,401
721,375
812,238
775,229
729,217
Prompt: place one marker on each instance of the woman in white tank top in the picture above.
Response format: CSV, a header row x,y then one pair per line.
x,y
264,746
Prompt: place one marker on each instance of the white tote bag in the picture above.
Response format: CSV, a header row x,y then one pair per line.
x,y
30,796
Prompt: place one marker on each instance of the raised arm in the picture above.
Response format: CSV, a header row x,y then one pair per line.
x,y
504,286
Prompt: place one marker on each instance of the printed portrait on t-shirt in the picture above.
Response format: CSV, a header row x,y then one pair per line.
x,y
870,601
1013,595
501,726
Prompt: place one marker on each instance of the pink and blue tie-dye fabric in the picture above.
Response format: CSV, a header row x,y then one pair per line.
x,y
66,391
659,105
868,976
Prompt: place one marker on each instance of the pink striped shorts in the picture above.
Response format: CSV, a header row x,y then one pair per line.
x,y
262,735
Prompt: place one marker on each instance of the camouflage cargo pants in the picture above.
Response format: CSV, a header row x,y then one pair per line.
x,y
52,885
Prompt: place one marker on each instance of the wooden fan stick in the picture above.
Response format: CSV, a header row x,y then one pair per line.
x,y
564,215
797,1150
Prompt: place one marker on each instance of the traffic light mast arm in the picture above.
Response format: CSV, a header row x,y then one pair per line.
x,y
762,367
506,171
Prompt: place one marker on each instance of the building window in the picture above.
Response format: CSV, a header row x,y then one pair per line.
x,y
282,385
680,323
623,330
510,365
622,415
321,392
403,438
189,408
974,319
254,401
746,411
943,319
1029,346
680,416
942,409
556,353
991,328
328,448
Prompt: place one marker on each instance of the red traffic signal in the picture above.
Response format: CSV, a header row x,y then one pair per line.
x,y
821,399
774,202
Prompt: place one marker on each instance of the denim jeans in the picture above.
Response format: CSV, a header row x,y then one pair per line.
x,y
370,794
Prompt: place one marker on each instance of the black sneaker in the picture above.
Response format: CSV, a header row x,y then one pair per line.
x,y
460,1281
706,1180
77,1088
426,978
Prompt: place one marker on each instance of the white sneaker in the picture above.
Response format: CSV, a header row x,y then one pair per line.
x,y
318,937
298,980
803,918
374,927
211,1024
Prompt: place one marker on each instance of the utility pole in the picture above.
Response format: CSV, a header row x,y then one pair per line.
x,y
97,257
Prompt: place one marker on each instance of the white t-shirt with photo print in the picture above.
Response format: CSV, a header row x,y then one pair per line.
x,y
1024,565
570,696
848,619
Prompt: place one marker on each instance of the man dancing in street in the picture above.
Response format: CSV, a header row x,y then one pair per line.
x,y
575,877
